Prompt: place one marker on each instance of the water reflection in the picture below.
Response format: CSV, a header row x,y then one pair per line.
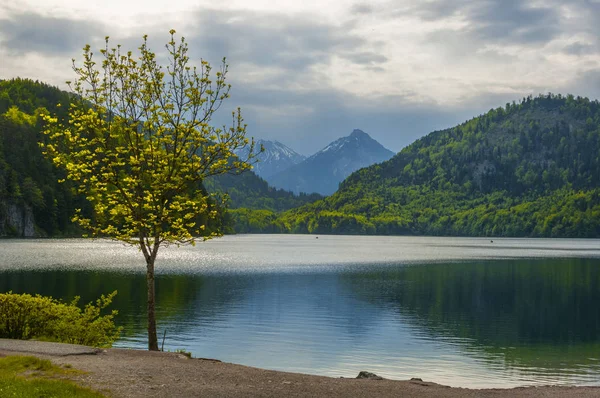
x,y
502,303
479,323
537,316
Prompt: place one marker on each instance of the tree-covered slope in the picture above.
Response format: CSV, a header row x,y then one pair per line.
x,y
31,194
253,204
528,169
249,191
29,188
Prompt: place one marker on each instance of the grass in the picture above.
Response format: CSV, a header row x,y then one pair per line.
x,y
24,377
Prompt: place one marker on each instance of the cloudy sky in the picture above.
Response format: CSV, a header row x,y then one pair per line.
x,y
308,72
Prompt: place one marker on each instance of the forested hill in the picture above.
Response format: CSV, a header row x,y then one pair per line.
x,y
28,96
249,191
528,169
33,203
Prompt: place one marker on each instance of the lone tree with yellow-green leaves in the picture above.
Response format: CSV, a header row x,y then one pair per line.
x,y
138,144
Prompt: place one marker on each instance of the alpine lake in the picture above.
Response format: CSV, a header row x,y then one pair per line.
x,y
468,312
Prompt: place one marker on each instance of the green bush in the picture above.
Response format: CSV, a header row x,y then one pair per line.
x,y
23,316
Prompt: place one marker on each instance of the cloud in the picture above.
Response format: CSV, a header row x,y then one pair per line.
x,y
397,69
578,48
366,58
587,83
268,39
514,21
27,32
308,120
362,9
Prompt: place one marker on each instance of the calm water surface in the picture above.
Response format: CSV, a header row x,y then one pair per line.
x,y
457,311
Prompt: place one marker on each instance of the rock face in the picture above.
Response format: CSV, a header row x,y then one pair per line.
x,y
16,220
323,171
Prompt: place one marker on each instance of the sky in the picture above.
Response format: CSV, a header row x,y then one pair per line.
x,y
308,72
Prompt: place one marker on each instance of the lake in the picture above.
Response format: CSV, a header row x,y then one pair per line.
x,y
467,312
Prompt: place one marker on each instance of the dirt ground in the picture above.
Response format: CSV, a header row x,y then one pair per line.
x,y
133,373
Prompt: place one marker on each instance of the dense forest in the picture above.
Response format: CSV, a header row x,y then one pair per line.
x,y
528,169
27,179
29,182
253,205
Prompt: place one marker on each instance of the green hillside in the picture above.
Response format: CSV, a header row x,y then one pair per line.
x,y
28,181
253,205
29,188
528,169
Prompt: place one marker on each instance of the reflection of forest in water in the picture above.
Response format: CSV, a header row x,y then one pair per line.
x,y
523,313
178,297
531,312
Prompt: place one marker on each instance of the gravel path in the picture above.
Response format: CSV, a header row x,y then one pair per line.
x,y
133,373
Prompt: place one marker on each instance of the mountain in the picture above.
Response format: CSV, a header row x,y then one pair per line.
x,y
275,158
528,169
323,171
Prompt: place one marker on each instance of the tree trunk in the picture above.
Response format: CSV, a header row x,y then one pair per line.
x,y
152,339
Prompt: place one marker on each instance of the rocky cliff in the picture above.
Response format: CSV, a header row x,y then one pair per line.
x,y
16,220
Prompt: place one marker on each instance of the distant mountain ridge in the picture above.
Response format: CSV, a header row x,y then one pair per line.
x,y
275,158
323,171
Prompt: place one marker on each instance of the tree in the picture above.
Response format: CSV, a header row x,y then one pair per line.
x,y
139,143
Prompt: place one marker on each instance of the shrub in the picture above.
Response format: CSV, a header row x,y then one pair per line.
x,y
23,316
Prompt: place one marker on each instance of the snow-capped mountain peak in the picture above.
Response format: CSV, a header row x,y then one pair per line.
x,y
276,157
323,171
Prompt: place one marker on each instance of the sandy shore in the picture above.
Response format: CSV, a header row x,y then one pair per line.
x,y
133,373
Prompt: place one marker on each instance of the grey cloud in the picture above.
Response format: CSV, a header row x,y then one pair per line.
x,y
587,84
32,32
296,46
293,46
433,10
294,43
500,21
395,121
362,9
366,58
580,49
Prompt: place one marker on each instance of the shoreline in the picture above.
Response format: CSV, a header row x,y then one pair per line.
x,y
122,372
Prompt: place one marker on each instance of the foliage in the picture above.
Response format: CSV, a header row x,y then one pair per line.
x,y
25,172
28,96
37,383
246,221
27,178
143,148
545,310
529,169
249,191
254,204
23,316
139,143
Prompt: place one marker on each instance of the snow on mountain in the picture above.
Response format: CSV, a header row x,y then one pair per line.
x,y
323,171
275,158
